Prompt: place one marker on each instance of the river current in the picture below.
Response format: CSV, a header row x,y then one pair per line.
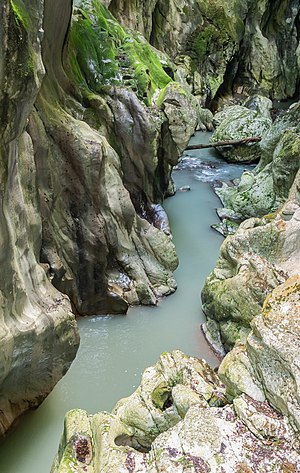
x,y
115,350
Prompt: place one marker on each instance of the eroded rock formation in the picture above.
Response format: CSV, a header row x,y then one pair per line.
x,y
272,353
91,123
39,337
267,188
220,47
264,251
182,417
83,176
239,122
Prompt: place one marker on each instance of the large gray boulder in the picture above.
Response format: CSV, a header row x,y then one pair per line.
x,y
237,123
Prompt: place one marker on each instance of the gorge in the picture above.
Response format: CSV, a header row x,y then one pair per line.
x,y
94,116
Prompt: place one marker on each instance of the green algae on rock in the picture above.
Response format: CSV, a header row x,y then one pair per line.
x,y
143,434
265,189
236,123
101,53
259,257
270,356
223,46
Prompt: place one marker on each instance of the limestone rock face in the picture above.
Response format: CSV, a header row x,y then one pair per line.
x,y
86,162
39,338
181,110
271,354
223,46
260,256
179,420
104,157
236,123
267,188
273,348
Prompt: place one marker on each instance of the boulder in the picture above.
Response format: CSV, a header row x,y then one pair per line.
x,y
236,123
260,104
265,189
179,420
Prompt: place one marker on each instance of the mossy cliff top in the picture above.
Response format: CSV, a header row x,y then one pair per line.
x,y
102,53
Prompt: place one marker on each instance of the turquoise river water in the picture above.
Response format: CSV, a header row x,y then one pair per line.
x,y
115,350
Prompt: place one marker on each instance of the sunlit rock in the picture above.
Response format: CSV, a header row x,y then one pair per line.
x,y
265,189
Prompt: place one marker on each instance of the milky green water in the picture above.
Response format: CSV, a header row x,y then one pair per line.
x,y
115,350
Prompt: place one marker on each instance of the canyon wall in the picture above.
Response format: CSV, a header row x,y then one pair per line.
x,y
92,120
222,47
86,163
39,338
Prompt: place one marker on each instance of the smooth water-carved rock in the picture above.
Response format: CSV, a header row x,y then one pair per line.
x,y
100,180
271,354
38,333
178,419
259,257
78,186
265,189
264,252
236,123
167,391
181,112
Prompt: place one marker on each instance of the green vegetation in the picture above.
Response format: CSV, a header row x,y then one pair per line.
x,y
21,15
102,53
204,42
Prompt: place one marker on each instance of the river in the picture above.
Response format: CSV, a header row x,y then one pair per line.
x,y
115,350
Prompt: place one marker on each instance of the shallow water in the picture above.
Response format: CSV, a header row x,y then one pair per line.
x,y
115,350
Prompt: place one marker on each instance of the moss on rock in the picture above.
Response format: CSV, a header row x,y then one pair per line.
x,y
101,53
